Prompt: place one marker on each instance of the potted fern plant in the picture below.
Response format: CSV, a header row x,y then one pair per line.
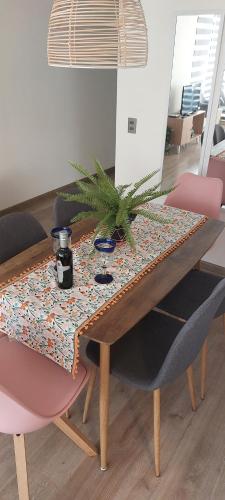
x,y
114,207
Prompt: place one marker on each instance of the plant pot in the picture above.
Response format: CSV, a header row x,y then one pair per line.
x,y
118,234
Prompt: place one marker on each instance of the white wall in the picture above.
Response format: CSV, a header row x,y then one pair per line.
x,y
47,115
144,93
182,59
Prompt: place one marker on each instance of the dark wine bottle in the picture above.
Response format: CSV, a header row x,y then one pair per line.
x,y
64,262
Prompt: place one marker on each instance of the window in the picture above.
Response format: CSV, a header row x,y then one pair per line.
x,y
207,31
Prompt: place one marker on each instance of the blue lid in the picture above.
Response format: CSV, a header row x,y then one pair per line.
x,y
56,230
105,245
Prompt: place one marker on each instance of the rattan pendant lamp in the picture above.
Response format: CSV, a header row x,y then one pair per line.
x,y
97,34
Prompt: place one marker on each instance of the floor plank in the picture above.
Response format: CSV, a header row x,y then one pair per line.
x,y
176,164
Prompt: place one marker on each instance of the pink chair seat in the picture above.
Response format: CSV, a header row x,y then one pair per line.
x,y
33,388
198,194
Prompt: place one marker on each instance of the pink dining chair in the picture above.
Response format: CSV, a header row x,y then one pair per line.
x,y
198,194
35,391
216,168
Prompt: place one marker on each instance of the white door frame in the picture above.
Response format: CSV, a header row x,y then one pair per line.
x,y
214,100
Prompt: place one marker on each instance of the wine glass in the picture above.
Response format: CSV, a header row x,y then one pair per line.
x,y
104,250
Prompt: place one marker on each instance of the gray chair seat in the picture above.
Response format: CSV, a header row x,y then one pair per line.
x,y
219,134
158,350
138,356
189,294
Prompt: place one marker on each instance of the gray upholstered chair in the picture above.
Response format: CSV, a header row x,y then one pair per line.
x,y
158,350
18,231
185,298
64,211
219,134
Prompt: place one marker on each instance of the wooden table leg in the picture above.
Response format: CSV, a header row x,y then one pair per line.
x,y
104,402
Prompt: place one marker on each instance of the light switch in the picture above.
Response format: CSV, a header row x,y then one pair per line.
x,y
132,125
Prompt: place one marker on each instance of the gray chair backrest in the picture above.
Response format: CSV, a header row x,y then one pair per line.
x,y
219,134
18,231
64,211
190,339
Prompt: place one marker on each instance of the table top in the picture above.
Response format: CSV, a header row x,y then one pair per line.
x,y
147,293
218,148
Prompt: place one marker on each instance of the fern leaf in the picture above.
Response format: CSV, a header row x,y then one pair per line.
x,y
152,216
86,215
123,211
158,194
86,199
83,171
100,171
128,234
104,180
111,205
122,188
66,196
142,181
85,187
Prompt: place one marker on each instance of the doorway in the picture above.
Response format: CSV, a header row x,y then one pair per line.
x,y
196,50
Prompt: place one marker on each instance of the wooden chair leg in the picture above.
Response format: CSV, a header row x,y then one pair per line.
x,y
77,437
191,387
156,410
68,413
21,466
203,367
104,403
224,323
91,384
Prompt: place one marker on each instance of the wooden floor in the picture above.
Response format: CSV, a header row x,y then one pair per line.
x,y
192,447
176,164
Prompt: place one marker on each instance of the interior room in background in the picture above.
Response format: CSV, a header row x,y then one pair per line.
x,y
194,67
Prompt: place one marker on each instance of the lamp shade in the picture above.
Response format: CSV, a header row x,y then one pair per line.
x,y
97,34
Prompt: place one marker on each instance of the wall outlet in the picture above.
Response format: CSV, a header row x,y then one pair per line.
x,y
132,125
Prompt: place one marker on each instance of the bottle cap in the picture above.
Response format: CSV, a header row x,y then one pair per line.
x,y
63,239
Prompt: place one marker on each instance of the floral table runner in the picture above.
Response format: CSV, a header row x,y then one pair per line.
x,y
36,312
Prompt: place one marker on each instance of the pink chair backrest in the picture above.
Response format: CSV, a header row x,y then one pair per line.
x,y
198,194
216,168
33,389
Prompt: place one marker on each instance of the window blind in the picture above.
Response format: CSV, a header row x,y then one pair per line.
x,y
204,54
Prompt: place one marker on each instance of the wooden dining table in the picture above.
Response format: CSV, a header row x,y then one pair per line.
x,y
132,307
